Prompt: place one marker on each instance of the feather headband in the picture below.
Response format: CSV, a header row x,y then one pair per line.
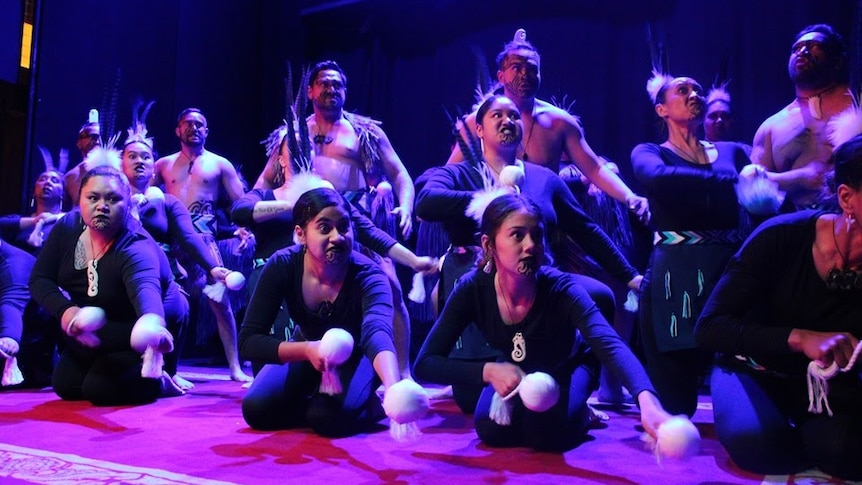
x,y
846,125
104,156
62,163
138,131
718,93
656,83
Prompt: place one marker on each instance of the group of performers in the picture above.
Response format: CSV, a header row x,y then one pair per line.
x,y
728,276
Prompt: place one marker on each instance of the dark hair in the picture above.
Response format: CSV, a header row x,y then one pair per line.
x,y
313,202
834,46
326,65
187,111
486,106
142,142
498,210
514,46
106,171
847,160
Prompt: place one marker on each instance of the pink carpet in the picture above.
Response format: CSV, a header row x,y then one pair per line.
x,y
201,438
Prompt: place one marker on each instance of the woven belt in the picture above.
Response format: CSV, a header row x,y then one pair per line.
x,y
671,238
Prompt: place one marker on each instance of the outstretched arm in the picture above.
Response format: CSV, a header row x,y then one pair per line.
x,y
588,163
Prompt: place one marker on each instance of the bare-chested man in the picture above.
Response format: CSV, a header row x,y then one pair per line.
x,y
550,133
89,137
195,176
792,144
354,154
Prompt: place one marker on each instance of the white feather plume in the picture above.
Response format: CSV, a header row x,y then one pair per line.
x,y
655,83
718,93
100,156
845,126
482,199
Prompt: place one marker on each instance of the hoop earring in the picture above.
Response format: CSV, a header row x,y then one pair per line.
x,y
489,266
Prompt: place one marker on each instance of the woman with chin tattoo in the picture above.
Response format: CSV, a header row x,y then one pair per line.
x,y
323,284
541,320
698,224
448,191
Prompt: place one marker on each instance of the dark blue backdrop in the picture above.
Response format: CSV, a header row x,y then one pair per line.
x,y
407,60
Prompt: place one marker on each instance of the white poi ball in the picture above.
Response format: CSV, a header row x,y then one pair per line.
x,y
90,319
539,391
405,401
336,346
512,175
678,438
147,332
154,193
384,188
234,280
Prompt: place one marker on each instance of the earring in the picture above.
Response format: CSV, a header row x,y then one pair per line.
x,y
32,202
849,220
489,266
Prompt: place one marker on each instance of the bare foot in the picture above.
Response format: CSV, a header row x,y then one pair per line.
x,y
183,383
169,387
239,376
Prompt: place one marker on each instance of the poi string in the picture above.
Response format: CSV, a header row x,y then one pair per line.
x,y
818,385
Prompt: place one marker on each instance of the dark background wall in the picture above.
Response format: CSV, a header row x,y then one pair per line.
x,y
407,61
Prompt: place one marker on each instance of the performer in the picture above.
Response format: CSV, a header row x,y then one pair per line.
x,y
549,314
109,264
792,144
324,284
450,189
550,133
690,184
195,175
165,218
352,153
791,295
89,137
719,120
29,232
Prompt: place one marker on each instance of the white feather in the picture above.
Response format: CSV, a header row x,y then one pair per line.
x,y
481,199
655,83
844,126
100,156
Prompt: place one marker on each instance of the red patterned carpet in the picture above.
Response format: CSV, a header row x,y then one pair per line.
x,y
201,438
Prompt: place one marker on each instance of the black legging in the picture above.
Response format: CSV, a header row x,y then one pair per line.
x,y
110,378
286,396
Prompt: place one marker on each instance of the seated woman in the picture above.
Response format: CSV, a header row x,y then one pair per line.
x,y
792,294
449,190
113,265
324,284
167,221
539,319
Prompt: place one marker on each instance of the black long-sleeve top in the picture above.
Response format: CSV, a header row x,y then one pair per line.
x,y
770,287
130,284
688,196
277,233
363,307
561,309
448,191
